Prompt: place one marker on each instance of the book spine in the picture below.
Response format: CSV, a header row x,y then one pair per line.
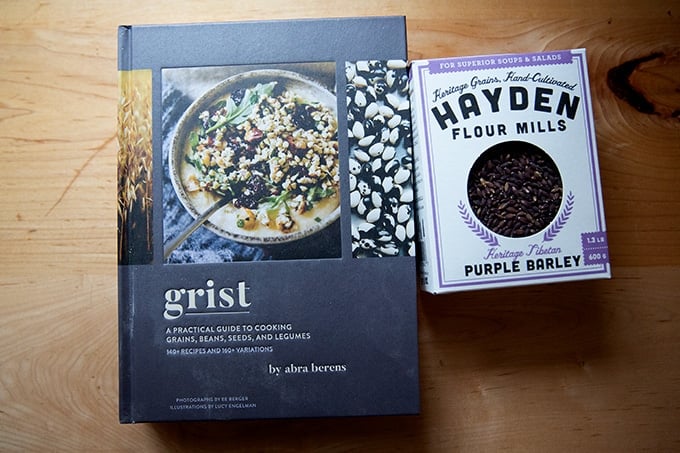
x,y
135,167
124,318
124,49
125,334
135,157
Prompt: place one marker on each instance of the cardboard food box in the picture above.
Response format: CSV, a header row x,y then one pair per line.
x,y
507,177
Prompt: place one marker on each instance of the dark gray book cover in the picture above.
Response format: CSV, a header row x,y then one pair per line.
x,y
265,224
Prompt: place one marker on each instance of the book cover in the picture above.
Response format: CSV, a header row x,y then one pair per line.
x,y
508,178
265,222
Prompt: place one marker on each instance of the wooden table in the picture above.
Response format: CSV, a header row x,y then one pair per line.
x,y
586,366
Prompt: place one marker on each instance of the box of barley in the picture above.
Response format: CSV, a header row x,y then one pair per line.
x,y
507,176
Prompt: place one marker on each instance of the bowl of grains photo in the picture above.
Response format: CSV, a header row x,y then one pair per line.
x,y
263,145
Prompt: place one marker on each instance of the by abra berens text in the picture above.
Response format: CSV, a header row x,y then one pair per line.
x,y
207,300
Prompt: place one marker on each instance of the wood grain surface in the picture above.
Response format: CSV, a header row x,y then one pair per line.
x,y
584,366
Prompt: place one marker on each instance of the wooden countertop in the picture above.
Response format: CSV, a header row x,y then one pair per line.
x,y
587,366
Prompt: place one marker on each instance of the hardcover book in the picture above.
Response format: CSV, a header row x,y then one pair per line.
x,y
265,221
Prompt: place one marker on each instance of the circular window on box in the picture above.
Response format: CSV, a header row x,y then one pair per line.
x,y
515,189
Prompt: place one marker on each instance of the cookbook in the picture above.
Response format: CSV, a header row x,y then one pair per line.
x,y
266,230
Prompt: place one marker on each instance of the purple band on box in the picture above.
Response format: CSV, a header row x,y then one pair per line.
x,y
462,64
597,239
595,248
596,256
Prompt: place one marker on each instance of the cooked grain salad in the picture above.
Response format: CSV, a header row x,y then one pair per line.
x,y
269,152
